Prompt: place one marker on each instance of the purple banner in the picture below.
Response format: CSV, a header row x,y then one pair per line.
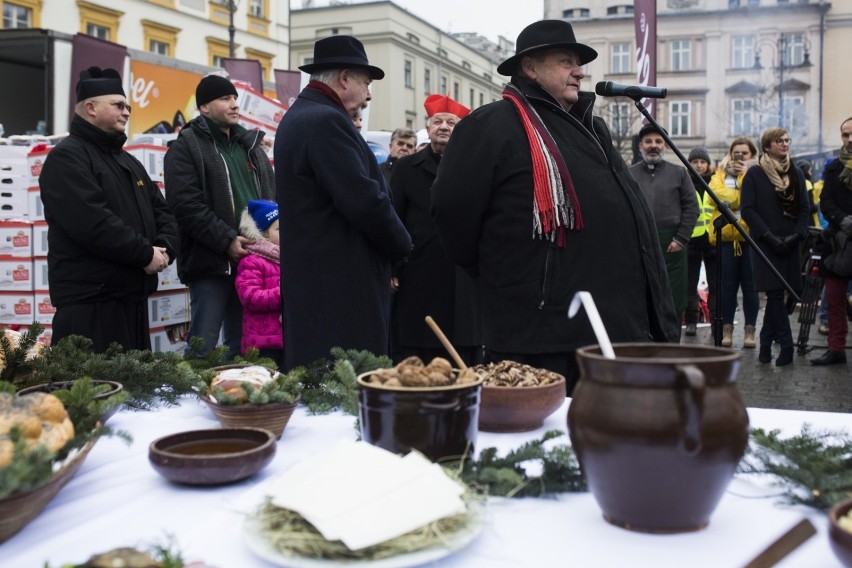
x,y
245,70
287,85
90,51
645,21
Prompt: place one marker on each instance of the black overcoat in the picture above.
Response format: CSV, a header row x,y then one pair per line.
x,y
429,282
483,206
835,202
339,233
761,209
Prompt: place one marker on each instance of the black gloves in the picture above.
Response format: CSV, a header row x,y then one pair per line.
x,y
776,244
791,241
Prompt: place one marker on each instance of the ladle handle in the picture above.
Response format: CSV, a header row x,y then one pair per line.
x,y
446,343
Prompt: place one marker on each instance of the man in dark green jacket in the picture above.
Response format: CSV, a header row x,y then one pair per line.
x,y
213,169
537,232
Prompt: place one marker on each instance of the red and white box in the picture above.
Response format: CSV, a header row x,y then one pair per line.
x,y
168,279
14,203
152,158
259,107
35,161
16,239
40,273
46,336
250,124
167,308
40,238
44,309
13,183
35,208
13,162
16,274
16,308
169,339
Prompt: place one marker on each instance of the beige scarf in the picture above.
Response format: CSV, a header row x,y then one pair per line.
x,y
779,174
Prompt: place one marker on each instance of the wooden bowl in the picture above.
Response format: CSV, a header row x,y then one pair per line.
x,y
519,409
18,509
839,538
212,457
114,389
273,416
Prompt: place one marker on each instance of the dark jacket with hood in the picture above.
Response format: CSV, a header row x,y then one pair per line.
x,y
103,215
482,203
198,191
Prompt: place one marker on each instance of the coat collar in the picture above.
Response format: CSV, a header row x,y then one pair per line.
x,y
105,141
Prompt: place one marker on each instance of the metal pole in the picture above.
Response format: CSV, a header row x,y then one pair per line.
x,y
231,28
781,53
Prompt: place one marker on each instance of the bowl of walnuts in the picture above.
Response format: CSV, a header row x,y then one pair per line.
x,y
516,397
432,408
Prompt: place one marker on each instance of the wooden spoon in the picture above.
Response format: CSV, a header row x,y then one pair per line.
x,y
446,343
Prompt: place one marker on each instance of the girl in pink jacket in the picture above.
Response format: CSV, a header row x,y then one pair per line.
x,y
259,281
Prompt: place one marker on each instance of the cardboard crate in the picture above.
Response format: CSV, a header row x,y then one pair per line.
x,y
16,274
44,309
168,279
35,161
14,203
13,183
16,239
250,124
259,107
13,161
35,207
169,339
16,308
40,273
40,238
168,308
152,158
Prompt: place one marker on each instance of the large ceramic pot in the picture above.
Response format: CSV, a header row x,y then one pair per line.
x,y
658,431
439,422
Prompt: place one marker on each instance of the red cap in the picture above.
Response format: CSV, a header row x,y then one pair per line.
x,y
442,103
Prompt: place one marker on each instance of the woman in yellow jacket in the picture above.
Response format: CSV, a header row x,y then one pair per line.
x,y
736,257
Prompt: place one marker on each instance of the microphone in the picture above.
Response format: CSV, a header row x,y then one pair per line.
x,y
610,89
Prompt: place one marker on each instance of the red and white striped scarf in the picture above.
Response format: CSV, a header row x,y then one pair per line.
x,y
555,204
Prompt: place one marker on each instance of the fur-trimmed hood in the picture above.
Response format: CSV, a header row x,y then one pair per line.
x,y
248,228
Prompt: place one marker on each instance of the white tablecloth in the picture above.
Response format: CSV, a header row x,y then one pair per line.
x,y
117,499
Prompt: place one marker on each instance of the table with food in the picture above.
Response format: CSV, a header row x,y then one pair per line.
x,y
595,480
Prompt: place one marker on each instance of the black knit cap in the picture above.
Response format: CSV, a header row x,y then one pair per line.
x,y
699,153
96,82
649,128
211,88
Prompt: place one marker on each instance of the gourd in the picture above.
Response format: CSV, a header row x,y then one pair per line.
x,y
41,418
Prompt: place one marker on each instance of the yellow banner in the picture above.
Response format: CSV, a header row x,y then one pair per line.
x,y
163,98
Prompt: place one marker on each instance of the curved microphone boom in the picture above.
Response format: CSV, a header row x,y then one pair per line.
x,y
611,89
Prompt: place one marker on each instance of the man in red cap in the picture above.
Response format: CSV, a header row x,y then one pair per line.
x,y
429,283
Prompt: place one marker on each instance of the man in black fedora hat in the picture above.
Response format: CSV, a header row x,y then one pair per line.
x,y
532,198
339,232
109,229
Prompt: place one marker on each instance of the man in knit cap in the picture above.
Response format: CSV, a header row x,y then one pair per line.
x,y
213,169
429,283
109,229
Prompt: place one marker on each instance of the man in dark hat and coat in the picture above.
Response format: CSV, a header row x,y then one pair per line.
x,y
109,229
339,232
213,169
430,284
532,198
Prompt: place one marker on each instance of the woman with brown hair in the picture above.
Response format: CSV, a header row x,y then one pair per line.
x,y
775,206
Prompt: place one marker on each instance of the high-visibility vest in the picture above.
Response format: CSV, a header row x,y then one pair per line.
x,y
705,212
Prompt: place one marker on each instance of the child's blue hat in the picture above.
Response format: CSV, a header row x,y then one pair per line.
x,y
263,212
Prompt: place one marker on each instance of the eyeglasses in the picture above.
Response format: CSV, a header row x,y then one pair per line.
x,y
784,141
120,105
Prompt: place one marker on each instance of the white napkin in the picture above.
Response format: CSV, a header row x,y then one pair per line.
x,y
363,495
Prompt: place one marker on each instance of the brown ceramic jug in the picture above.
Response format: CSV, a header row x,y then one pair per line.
x,y
658,431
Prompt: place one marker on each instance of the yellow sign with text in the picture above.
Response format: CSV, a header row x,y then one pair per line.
x,y
163,98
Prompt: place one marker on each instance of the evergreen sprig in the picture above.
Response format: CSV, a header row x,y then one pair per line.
x,y
814,467
508,477
332,384
16,364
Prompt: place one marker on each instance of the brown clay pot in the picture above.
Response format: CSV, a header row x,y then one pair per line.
x,y
658,431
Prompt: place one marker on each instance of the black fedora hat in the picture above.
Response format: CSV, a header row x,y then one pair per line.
x,y
545,34
341,52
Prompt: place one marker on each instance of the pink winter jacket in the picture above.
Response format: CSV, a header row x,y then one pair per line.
x,y
259,288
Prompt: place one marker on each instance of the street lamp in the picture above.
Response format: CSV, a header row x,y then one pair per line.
x,y
232,7
781,48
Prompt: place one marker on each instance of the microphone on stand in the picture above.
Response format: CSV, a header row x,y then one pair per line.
x,y
611,89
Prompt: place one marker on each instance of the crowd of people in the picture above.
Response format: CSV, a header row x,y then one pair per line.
x,y
490,229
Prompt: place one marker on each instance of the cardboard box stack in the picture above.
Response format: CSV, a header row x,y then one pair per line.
x,y
24,286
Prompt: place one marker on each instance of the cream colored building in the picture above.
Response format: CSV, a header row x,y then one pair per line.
x,y
730,66
417,57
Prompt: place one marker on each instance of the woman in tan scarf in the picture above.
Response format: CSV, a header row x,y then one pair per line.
x,y
775,206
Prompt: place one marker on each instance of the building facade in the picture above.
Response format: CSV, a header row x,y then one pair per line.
x,y
731,67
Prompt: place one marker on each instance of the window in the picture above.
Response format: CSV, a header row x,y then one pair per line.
x,y
258,18
407,74
218,61
794,115
471,99
576,13
743,52
160,38
99,21
793,48
265,60
443,85
427,81
679,118
257,8
619,119
481,99
742,117
15,16
681,54
455,91
620,58
217,50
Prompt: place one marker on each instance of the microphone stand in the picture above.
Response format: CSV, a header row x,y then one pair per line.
x,y
726,213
